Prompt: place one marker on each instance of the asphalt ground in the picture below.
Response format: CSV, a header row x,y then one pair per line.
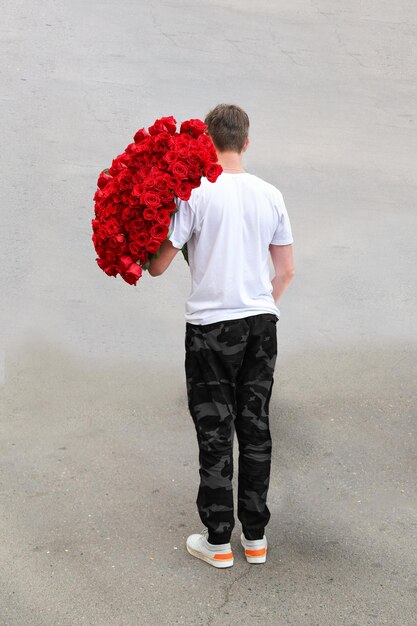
x,y
99,459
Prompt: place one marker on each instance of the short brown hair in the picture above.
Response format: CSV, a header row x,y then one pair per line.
x,y
228,126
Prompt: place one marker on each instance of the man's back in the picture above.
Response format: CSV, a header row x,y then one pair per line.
x,y
228,227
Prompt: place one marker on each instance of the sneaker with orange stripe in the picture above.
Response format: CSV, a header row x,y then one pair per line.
x,y
255,550
217,555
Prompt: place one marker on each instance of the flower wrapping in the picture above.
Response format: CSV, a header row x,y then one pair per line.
x,y
136,195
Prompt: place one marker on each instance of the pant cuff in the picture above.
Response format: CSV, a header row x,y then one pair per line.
x,y
254,533
218,539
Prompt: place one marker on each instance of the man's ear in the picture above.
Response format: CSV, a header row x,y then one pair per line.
x,y
245,145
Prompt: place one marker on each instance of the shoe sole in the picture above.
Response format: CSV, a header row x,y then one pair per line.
x,y
221,564
255,559
255,556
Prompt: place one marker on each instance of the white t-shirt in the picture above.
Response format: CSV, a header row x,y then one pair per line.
x,y
228,227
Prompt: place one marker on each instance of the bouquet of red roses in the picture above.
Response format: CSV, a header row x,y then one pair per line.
x,y
136,195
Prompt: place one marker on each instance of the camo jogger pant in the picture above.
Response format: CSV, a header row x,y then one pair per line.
x,y
229,369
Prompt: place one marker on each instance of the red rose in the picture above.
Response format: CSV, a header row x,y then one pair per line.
x,y
166,196
213,156
148,183
170,124
153,246
138,224
118,164
143,257
149,213
139,175
151,199
116,197
163,217
133,202
128,213
159,232
141,239
170,156
98,195
116,246
111,227
171,206
107,267
125,261
156,128
107,192
183,190
205,141
107,211
141,135
194,172
179,169
103,179
183,152
165,124
125,180
130,149
193,158
134,249
111,256
144,146
181,141
162,142
203,154
132,274
194,127
124,197
212,172
162,182
137,191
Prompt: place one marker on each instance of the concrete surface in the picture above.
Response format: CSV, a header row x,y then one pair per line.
x,y
98,452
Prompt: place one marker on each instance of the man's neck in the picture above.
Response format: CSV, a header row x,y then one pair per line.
x,y
230,161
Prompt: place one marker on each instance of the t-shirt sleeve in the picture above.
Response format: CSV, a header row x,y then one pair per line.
x,y
283,234
182,224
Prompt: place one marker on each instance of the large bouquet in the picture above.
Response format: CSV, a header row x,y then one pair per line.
x,y
136,195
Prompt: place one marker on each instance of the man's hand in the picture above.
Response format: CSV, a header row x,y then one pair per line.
x,y
160,263
283,260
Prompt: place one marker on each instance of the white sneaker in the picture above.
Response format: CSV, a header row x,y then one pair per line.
x,y
255,551
217,555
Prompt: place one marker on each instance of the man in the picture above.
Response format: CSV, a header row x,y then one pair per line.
x,y
230,228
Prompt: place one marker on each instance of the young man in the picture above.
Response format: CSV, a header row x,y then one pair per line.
x,y
230,228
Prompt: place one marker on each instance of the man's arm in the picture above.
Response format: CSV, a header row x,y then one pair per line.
x,y
160,263
283,260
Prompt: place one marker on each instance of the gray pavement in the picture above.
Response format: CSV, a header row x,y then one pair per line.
x,y
99,462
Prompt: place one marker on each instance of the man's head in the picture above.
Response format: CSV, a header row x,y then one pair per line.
x,y
228,127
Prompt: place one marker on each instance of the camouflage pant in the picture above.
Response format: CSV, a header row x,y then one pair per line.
x,y
229,368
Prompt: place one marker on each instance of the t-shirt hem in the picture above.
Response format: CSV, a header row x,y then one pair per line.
x,y
282,243
223,317
176,244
